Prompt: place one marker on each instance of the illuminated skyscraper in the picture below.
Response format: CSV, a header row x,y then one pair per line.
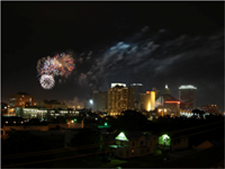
x,y
120,99
187,96
137,90
147,100
97,101
157,92
166,90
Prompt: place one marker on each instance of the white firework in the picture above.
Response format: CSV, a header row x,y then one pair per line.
x,y
47,81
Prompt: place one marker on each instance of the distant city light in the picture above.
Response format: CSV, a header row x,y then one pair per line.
x,y
136,84
118,84
187,87
91,101
171,102
122,137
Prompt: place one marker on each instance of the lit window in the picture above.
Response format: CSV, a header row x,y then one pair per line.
x,y
6,122
14,122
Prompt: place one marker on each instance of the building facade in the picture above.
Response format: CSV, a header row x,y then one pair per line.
x,y
147,101
133,144
157,92
120,99
168,105
187,96
137,90
211,109
52,104
21,99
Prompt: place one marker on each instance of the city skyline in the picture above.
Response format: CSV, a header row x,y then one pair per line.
x,y
146,42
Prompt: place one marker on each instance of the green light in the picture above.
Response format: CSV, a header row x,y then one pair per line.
x,y
105,124
164,140
75,119
122,137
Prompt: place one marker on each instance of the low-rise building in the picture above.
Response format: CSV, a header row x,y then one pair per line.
x,y
168,142
133,144
211,109
21,99
52,104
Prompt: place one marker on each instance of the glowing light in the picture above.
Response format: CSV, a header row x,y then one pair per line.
x,y
105,124
147,92
172,102
187,87
47,81
152,100
118,84
91,101
164,140
122,137
136,84
149,107
165,137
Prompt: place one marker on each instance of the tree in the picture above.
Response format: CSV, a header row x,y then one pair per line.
x,y
132,121
199,112
89,139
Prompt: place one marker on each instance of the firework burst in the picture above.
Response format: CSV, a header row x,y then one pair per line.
x,y
66,64
59,65
47,81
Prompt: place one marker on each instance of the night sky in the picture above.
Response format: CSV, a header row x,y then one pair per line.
x,y
155,43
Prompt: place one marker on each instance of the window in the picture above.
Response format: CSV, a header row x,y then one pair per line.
x,y
133,143
141,143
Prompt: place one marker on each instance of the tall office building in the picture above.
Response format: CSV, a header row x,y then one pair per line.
x,y
120,98
157,92
21,99
101,102
187,96
166,90
97,101
137,90
147,100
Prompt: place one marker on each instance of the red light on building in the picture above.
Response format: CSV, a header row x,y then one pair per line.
x,y
172,102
